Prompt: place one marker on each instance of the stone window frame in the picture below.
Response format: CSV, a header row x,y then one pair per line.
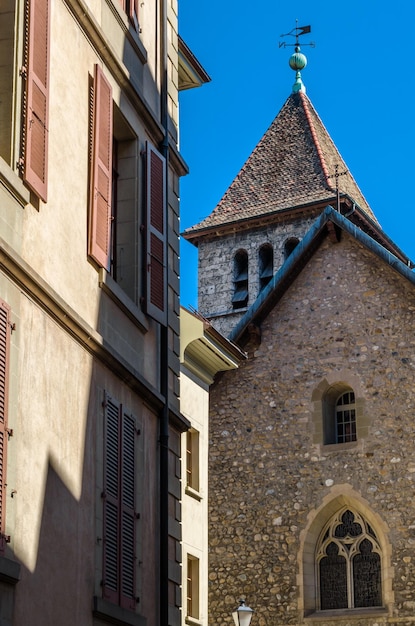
x,y
340,497
324,399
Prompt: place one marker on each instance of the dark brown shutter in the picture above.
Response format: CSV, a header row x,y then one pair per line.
x,y
37,98
4,376
111,543
156,231
100,202
128,513
119,506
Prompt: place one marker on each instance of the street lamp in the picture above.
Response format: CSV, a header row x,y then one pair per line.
x,y
242,615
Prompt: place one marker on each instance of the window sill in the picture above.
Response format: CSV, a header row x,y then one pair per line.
x,y
338,447
14,185
350,614
9,571
113,614
118,295
193,493
193,621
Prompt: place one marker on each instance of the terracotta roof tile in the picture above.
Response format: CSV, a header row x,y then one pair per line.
x,y
293,164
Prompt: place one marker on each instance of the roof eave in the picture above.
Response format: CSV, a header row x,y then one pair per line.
x,y
238,224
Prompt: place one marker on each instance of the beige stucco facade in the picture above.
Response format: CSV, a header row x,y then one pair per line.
x,y
79,335
203,353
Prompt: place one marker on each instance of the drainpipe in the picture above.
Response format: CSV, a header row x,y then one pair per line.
x,y
164,360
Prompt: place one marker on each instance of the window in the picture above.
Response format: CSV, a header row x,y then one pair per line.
x,y
289,246
131,8
348,562
345,418
266,265
240,273
120,517
7,88
192,459
124,207
339,415
192,587
5,330
113,220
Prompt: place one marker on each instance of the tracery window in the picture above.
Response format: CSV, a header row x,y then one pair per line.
x,y
348,563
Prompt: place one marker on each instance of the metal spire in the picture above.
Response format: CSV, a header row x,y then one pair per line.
x,y
298,60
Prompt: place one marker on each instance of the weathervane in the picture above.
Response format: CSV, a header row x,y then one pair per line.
x,y
297,61
297,32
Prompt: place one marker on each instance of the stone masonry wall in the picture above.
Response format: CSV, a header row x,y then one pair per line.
x,y
348,316
216,268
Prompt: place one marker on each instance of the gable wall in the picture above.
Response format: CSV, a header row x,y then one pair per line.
x,y
216,268
346,318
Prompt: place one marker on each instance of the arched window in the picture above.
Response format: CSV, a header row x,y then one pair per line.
x,y
345,418
265,265
289,246
348,564
240,279
339,415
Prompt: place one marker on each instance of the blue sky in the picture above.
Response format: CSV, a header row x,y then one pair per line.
x,y
359,77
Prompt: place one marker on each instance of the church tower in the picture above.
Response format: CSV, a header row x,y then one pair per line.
x,y
311,440
292,175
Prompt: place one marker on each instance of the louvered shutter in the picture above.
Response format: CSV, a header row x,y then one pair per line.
x,y
128,513
4,375
37,98
156,231
133,13
111,543
101,175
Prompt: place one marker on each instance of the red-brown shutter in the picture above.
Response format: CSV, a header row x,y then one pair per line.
x,y
100,203
156,230
37,98
111,543
4,376
133,13
128,513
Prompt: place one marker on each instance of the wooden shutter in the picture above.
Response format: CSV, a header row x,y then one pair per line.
x,y
119,580
37,97
133,13
101,175
4,376
156,232
128,513
111,543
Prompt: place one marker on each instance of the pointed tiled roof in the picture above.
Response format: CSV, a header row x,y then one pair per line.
x,y
293,165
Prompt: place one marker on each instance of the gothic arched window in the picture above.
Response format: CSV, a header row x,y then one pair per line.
x,y
266,265
240,279
348,564
339,415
